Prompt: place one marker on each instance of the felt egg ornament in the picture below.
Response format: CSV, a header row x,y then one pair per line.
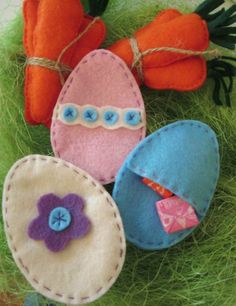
x,y
63,229
99,117
166,185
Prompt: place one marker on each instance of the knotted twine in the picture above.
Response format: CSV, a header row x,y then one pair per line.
x,y
137,62
57,65
138,55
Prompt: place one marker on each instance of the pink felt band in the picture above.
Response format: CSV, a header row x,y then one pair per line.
x,y
100,79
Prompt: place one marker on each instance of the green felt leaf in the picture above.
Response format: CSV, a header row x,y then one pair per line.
x,y
224,31
85,4
94,7
226,93
211,17
208,6
230,21
223,42
222,19
216,92
97,7
217,20
223,72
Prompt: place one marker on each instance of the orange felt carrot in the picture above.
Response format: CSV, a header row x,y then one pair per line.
x,y
50,26
169,53
167,69
165,193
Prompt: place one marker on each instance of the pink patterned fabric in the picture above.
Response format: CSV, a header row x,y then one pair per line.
x,y
176,214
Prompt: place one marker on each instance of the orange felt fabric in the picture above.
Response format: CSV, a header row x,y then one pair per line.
x,y
168,70
185,75
166,16
32,7
50,25
165,193
122,47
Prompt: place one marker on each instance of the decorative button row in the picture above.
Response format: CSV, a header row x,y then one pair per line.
x,y
108,117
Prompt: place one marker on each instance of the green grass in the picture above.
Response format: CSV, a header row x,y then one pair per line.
x,y
200,270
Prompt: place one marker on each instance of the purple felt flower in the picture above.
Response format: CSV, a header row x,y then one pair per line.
x,y
59,221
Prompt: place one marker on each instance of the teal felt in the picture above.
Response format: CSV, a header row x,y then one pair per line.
x,y
110,117
90,114
59,219
133,118
183,157
70,114
34,299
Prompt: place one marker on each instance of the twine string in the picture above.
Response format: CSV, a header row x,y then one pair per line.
x,y
138,55
137,63
57,65
47,63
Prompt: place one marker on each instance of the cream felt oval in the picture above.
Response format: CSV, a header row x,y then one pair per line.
x,y
87,267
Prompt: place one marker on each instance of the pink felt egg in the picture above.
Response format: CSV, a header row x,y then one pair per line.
x,y
99,117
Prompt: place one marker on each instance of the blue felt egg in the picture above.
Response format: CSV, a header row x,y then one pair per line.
x,y
183,157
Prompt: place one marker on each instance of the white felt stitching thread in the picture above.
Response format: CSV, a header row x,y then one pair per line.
x,y
100,111
181,234
70,81
12,245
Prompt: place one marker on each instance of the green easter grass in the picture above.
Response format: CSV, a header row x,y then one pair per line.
x,y
200,270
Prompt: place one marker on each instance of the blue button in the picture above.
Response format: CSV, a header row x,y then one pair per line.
x,y
70,113
90,114
132,117
59,219
110,117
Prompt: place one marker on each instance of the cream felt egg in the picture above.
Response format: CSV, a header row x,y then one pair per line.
x,y
63,229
